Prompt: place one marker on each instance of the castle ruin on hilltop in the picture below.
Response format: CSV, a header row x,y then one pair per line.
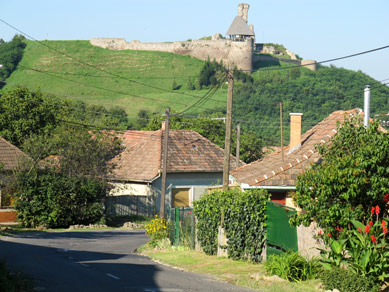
x,y
239,50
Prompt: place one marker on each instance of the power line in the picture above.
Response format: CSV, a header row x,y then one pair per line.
x,y
94,67
106,89
321,62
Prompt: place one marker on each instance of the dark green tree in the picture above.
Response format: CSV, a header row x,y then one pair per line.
x,y
353,177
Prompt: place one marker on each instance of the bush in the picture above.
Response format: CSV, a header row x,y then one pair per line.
x,y
347,281
52,199
292,267
244,215
157,230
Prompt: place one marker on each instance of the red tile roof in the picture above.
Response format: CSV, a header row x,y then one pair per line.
x,y
10,155
188,151
272,171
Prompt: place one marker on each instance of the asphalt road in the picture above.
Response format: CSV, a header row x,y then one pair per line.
x,y
98,261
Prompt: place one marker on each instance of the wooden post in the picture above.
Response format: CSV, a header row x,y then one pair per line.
x,y
282,136
164,164
227,144
237,145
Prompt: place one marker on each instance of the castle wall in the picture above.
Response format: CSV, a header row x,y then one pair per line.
x,y
223,50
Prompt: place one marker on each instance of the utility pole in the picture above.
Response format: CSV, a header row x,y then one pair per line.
x,y
237,144
227,144
282,134
164,164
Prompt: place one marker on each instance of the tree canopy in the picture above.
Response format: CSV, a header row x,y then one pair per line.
x,y
353,177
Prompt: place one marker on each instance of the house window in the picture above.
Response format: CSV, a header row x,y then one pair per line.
x,y
181,197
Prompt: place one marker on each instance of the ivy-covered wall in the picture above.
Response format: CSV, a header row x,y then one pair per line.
x,y
244,221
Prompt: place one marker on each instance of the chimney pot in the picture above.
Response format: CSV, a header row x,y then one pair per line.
x,y
295,131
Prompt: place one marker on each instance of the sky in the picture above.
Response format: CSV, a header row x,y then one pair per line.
x,y
314,29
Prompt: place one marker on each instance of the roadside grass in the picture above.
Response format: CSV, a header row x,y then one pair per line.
x,y
234,272
135,83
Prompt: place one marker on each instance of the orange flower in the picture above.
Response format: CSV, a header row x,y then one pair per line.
x,y
373,239
372,210
384,230
329,235
360,229
383,223
367,229
371,223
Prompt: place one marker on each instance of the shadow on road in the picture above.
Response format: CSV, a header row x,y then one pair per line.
x,y
58,268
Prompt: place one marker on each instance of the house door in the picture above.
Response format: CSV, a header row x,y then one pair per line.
x,y
281,236
180,197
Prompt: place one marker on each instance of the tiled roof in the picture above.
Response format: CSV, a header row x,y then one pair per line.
x,y
10,155
188,151
272,171
239,27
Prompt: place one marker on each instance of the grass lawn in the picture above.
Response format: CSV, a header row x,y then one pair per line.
x,y
234,272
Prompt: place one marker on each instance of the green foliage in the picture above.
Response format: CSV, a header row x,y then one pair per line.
x,y
292,267
244,222
10,55
362,249
347,281
13,281
25,113
352,178
316,94
49,198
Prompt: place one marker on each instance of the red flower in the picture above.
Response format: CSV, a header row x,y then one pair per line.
x,y
377,210
360,229
386,198
372,210
367,229
384,230
329,235
383,223
373,239
320,232
371,223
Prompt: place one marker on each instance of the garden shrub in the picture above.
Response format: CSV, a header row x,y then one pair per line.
x,y
244,216
292,267
157,230
48,198
347,281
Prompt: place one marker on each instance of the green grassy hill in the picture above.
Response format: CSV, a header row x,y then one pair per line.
x,y
136,80
139,80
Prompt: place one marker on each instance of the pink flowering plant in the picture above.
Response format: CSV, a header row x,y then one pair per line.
x,y
361,247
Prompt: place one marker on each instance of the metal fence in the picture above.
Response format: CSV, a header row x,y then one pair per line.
x,y
181,222
129,205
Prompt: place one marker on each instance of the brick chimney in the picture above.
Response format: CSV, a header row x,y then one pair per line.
x,y
295,131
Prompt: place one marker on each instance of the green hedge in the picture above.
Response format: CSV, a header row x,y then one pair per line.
x,y
244,222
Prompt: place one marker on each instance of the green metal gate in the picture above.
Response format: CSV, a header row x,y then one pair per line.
x,y
281,237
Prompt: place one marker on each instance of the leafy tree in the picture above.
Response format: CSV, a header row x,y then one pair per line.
x,y
353,177
10,55
24,113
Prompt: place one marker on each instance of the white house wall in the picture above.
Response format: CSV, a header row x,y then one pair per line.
x,y
130,189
